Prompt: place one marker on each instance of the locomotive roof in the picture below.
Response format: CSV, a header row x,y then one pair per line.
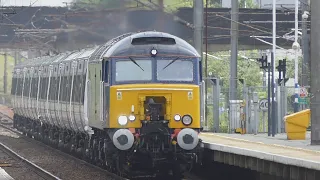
x,y
124,45
138,44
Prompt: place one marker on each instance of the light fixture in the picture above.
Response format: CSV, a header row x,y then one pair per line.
x,y
154,52
177,117
122,120
132,117
187,120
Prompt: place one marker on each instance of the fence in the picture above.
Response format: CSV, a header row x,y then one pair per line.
x,y
250,111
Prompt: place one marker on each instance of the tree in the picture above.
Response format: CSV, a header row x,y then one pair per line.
x,y
171,4
100,3
247,4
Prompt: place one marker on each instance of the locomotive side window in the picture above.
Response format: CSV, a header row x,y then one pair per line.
x,y
105,71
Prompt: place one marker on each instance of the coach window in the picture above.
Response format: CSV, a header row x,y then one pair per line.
x,y
13,87
34,87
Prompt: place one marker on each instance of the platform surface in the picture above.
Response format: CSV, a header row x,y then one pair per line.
x,y
4,175
279,139
278,149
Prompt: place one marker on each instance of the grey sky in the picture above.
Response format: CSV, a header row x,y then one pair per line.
x,y
34,2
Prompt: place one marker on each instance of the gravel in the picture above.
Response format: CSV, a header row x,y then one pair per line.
x,y
54,162
17,169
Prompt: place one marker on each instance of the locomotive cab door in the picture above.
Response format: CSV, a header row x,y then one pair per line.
x,y
95,95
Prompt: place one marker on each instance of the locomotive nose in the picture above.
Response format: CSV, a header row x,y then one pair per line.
x,y
123,139
188,139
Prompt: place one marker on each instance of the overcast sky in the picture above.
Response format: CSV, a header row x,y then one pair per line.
x,y
34,2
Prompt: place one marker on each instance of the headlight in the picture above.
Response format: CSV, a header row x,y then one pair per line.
x,y
122,120
186,120
132,117
177,117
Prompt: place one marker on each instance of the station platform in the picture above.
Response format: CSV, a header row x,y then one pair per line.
x,y
3,161
4,175
278,150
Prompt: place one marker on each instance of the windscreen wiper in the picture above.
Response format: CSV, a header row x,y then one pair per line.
x,y
136,63
171,62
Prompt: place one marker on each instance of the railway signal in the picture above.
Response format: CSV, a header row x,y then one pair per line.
x,y
282,69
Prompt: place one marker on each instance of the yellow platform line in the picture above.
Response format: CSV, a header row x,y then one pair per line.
x,y
261,143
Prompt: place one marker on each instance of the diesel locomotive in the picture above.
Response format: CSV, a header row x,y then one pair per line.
x,y
131,105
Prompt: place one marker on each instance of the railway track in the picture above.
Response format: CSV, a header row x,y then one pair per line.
x,y
35,168
103,174
8,126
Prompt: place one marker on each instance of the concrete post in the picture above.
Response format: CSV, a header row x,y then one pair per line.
x,y
280,108
5,75
234,115
315,73
198,42
247,110
234,49
255,99
283,95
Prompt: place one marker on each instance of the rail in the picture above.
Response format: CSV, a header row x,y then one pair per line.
x,y
37,169
55,150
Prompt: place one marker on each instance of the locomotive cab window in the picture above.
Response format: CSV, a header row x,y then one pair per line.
x,y
156,70
133,70
174,70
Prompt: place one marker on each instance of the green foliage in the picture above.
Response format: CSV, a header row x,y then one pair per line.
x,y
99,3
247,69
247,4
172,5
10,66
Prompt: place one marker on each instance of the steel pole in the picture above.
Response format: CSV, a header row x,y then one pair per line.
x,y
305,44
296,62
273,106
269,98
273,58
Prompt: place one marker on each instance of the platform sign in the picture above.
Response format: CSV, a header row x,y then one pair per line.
x,y
303,100
303,94
263,104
